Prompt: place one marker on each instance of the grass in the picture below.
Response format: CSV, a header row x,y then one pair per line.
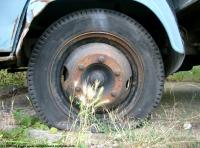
x,y
165,129
12,79
191,76
19,136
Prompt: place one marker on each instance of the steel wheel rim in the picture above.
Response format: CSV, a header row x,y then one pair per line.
x,y
103,37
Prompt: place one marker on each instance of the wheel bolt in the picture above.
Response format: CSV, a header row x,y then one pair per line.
x,y
114,94
78,89
117,73
81,67
101,59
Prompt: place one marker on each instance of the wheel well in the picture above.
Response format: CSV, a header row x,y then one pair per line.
x,y
59,8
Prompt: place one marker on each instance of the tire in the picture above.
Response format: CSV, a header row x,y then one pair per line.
x,y
60,40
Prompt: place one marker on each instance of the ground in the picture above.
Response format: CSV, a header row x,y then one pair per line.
x,y
175,122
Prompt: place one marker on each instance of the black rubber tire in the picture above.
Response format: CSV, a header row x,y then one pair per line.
x,y
49,45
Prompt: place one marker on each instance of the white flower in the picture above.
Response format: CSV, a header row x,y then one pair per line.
x,y
83,100
90,93
85,89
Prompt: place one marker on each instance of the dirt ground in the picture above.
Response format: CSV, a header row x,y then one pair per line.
x,y
179,107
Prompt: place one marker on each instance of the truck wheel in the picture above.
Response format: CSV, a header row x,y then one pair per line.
x,y
93,45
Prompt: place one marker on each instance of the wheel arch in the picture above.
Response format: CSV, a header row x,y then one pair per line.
x,y
166,35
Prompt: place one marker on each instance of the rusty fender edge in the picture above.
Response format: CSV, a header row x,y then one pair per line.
x,y
33,8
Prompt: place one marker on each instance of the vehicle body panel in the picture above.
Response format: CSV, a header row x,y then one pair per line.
x,y
182,4
11,12
163,11
34,7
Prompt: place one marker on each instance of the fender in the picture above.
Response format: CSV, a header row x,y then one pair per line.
x,y
164,13
33,9
13,14
159,7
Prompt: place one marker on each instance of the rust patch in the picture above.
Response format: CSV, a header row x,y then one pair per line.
x,y
109,59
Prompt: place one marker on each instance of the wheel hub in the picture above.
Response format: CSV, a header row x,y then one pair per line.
x,y
99,62
95,76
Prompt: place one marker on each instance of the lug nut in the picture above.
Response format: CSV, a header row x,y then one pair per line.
x,y
101,59
117,73
78,89
114,94
81,67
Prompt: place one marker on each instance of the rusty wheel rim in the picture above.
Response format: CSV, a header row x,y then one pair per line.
x,y
103,57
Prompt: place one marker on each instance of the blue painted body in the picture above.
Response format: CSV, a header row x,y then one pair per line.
x,y
12,11
10,14
163,11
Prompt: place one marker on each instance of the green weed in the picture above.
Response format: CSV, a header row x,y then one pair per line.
x,y
191,76
12,79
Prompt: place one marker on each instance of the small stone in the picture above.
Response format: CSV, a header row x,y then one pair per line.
x,y
114,94
101,59
81,67
187,126
117,73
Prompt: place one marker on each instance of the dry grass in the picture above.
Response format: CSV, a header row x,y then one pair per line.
x,y
165,129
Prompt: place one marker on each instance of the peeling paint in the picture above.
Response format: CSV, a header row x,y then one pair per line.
x,y
34,8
